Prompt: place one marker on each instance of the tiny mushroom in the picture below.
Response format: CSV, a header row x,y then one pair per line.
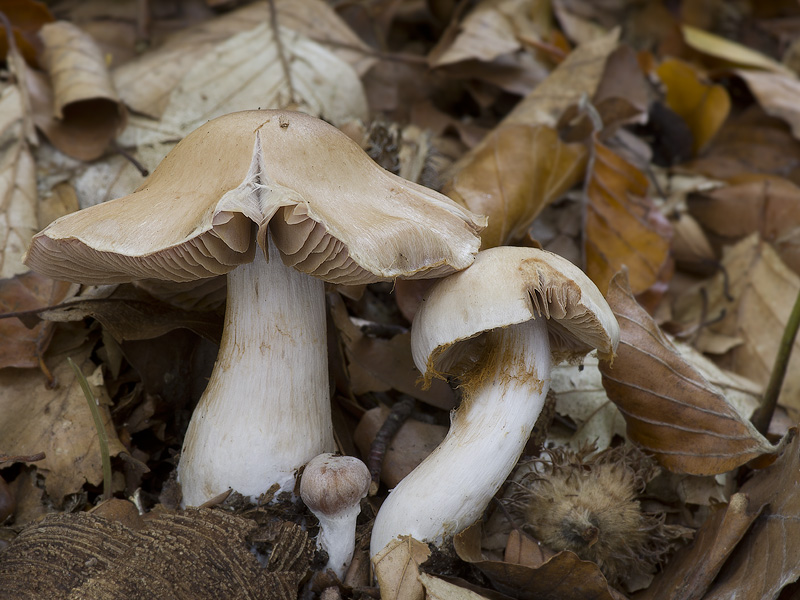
x,y
497,327
332,488
280,202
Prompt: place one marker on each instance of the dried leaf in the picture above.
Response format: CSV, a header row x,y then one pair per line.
x,y
18,194
81,113
145,84
704,106
581,397
26,18
672,411
564,576
19,346
57,422
129,314
751,142
623,226
763,203
763,561
522,166
388,361
751,299
777,94
692,570
731,52
439,589
397,569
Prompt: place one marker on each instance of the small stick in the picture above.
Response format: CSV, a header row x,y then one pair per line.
x,y
399,415
763,415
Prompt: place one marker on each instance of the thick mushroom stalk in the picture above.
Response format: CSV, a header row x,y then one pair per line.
x,y
332,488
488,432
275,315
496,327
241,184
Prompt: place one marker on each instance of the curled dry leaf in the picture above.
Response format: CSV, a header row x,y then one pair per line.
x,y
623,226
704,106
20,346
764,560
691,571
81,113
522,166
562,575
672,411
751,298
397,569
57,422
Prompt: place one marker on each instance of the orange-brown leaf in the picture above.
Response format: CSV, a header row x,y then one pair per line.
x,y
671,410
517,171
623,227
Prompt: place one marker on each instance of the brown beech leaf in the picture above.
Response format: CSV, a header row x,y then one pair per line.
x,y
750,299
26,18
130,314
522,166
623,226
563,576
78,108
388,361
765,560
19,346
691,571
516,171
672,411
397,569
57,422
751,142
704,106
764,203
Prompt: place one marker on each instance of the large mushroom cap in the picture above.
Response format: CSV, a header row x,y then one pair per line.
x,y
332,212
506,286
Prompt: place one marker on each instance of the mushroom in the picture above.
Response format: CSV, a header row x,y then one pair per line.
x,y
320,209
497,327
332,488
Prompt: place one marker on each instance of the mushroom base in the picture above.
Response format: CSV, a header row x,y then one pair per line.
x,y
451,488
266,410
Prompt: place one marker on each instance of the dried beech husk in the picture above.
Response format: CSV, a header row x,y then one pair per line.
x,y
330,210
587,503
198,554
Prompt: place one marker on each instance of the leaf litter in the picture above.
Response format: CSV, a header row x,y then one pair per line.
x,y
492,103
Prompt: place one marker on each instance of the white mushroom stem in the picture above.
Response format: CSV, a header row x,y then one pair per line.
x,y
266,410
337,536
451,488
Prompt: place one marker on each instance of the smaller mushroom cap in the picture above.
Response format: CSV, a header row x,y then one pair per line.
x,y
506,286
331,484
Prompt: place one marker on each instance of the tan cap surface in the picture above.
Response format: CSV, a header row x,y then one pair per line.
x,y
332,212
506,286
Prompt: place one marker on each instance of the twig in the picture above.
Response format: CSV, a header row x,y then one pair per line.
x,y
399,415
102,435
763,415
130,158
